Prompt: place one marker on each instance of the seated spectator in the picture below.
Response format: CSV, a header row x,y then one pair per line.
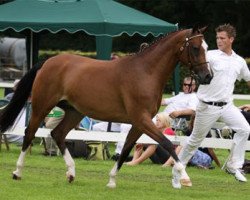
x,y
51,121
155,152
10,95
125,128
114,56
20,121
184,103
245,107
202,158
245,110
103,126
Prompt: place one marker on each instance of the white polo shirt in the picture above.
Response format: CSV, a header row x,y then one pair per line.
x,y
227,69
181,101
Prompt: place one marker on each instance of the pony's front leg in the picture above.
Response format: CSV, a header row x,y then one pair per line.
x,y
17,174
112,175
70,163
132,137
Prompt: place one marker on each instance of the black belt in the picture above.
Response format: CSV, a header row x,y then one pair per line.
x,y
215,103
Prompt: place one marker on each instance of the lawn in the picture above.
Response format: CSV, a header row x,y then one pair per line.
x,y
44,178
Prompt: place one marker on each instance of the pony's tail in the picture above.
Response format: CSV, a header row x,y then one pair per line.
x,y
9,114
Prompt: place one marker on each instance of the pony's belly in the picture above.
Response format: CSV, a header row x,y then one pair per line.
x,y
105,112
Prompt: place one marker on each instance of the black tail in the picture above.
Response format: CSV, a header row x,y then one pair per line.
x,y
22,93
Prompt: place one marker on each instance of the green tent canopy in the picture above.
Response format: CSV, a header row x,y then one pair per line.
x,y
103,19
95,17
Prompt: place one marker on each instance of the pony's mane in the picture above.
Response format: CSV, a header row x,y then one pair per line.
x,y
158,40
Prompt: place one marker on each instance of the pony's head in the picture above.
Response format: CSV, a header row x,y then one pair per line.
x,y
193,54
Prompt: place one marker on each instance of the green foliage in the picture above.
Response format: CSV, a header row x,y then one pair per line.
x,y
44,178
50,53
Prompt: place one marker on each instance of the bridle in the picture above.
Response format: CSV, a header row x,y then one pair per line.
x,y
190,64
186,45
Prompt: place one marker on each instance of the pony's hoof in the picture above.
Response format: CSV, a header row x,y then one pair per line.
x,y
71,178
15,177
111,185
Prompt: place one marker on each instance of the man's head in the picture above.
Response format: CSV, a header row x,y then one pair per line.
x,y
225,35
189,85
143,46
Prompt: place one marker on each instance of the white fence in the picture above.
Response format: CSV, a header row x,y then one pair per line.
x,y
117,137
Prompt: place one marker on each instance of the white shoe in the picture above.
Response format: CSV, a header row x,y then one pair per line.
x,y
238,174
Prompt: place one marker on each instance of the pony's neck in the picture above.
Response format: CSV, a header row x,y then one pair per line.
x,y
162,57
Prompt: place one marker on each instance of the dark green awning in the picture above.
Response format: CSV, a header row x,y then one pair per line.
x,y
101,18
95,17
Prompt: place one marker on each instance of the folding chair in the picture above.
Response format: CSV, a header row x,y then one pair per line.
x,y
180,124
87,123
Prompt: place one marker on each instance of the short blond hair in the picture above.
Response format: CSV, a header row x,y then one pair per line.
x,y
165,119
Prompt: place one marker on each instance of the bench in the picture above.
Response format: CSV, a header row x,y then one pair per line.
x,y
219,143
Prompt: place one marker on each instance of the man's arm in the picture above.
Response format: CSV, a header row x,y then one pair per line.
x,y
245,107
163,102
212,153
178,113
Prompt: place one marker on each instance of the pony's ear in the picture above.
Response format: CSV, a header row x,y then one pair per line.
x,y
195,28
203,30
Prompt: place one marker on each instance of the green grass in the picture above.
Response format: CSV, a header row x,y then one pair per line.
x,y
44,179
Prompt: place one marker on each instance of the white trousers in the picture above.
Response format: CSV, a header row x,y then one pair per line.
x,y
206,116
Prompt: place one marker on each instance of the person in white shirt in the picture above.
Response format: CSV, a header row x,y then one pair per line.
x,y
185,102
216,102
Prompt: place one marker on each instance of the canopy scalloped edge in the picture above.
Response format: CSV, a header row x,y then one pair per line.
x,y
93,34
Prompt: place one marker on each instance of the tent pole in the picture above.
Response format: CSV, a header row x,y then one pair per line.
x,y
31,50
103,47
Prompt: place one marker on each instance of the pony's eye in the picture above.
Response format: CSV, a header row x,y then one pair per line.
x,y
195,50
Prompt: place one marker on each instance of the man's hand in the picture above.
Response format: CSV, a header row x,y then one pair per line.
x,y
245,107
163,103
175,114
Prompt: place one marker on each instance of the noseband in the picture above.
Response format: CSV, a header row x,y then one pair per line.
x,y
186,45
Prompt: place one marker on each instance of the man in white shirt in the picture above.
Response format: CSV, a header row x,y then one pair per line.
x,y
216,102
184,103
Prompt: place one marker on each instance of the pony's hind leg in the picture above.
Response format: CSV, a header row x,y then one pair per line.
x,y
70,121
28,137
132,137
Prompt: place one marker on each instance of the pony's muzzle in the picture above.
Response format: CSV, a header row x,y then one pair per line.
x,y
207,79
